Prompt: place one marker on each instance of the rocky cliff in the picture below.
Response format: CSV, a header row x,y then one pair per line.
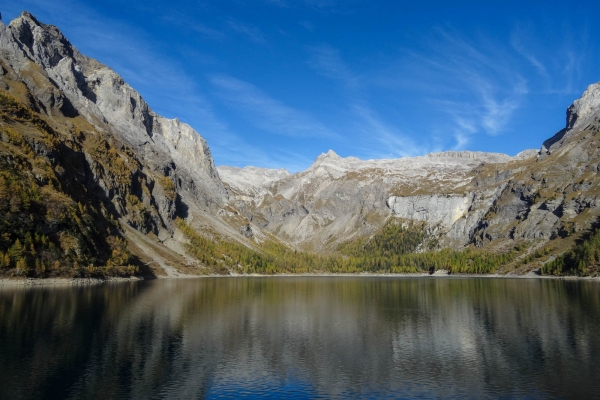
x,y
63,83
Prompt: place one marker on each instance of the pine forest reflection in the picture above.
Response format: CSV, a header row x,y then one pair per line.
x,y
302,337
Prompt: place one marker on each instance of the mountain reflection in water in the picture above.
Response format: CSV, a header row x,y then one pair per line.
x,y
302,337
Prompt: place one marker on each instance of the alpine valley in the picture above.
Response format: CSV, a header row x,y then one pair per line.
x,y
93,183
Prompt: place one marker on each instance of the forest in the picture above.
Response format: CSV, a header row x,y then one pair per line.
x,y
390,250
581,260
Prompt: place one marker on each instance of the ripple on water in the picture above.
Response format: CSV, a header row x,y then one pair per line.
x,y
303,338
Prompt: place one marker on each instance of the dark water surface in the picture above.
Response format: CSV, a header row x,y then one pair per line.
x,y
303,337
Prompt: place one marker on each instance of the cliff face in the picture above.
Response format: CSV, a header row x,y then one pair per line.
x,y
338,198
103,146
63,83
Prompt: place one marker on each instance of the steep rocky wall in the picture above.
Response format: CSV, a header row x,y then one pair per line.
x,y
65,83
433,209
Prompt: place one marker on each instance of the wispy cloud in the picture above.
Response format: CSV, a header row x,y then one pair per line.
x,y
307,25
140,61
517,43
250,31
182,21
127,50
559,66
375,132
368,127
571,70
267,113
479,76
327,61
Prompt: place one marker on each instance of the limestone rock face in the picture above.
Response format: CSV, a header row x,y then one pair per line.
x,y
249,182
433,209
69,83
585,109
582,113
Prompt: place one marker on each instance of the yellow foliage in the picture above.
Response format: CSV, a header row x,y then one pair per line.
x,y
22,267
168,187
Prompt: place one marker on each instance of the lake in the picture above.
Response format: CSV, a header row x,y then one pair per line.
x,y
302,338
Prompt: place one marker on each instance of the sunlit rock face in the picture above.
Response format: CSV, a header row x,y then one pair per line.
x,y
67,83
444,210
582,113
250,182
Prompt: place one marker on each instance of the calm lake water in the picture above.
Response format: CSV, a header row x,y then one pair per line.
x,y
302,337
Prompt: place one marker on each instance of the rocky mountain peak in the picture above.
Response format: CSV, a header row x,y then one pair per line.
x,y
66,84
331,160
45,44
26,16
581,113
330,155
584,108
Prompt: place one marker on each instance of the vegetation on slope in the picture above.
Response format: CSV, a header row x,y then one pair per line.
x,y
49,225
393,239
582,260
391,250
220,254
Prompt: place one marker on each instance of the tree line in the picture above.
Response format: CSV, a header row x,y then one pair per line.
x,y
583,259
391,250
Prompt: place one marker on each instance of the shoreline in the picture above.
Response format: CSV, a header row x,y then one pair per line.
x,y
30,282
37,282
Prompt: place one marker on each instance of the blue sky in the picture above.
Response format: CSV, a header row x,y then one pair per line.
x,y
274,83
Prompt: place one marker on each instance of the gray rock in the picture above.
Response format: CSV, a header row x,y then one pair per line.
x,y
107,102
432,209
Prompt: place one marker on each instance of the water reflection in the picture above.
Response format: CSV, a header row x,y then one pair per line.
x,y
302,338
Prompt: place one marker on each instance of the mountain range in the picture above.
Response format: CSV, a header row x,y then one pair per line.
x,y
93,182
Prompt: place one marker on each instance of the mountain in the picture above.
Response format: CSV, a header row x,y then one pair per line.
x,y
339,198
101,143
93,182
